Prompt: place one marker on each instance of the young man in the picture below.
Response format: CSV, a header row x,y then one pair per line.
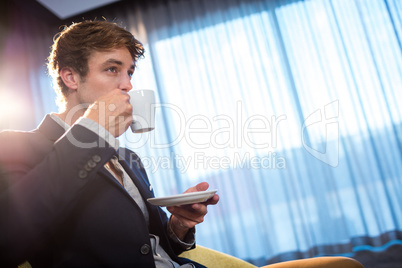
x,y
71,198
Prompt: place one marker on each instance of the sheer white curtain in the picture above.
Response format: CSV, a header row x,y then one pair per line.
x,y
291,110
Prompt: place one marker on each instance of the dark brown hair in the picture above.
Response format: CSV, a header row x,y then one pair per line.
x,y
74,45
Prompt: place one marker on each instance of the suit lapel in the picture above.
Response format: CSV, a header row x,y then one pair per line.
x,y
104,172
157,219
138,178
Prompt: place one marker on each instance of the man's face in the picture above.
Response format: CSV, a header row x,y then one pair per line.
x,y
106,71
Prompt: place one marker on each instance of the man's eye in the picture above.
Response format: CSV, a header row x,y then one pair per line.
x,y
130,74
112,69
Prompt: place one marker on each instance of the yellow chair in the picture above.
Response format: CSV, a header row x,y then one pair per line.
x,y
212,258
215,259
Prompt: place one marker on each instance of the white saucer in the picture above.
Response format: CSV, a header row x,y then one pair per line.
x,y
182,199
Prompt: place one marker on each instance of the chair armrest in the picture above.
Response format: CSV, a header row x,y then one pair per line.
x,y
319,262
214,259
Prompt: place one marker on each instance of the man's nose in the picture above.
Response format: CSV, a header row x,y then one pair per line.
x,y
125,83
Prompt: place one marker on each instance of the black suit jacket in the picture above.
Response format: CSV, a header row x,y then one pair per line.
x,y
61,208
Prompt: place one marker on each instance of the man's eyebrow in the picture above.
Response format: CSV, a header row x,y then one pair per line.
x,y
118,62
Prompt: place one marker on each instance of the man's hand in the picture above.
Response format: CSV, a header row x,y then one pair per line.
x,y
186,217
112,111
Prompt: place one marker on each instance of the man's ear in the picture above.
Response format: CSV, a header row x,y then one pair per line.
x,y
70,77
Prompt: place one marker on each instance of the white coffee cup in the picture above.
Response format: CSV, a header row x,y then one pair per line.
x,y
143,102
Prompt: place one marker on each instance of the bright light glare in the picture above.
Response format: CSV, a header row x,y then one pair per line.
x,y
10,108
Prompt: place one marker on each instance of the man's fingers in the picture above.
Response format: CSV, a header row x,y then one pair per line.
x,y
116,114
194,212
213,200
186,220
203,186
188,216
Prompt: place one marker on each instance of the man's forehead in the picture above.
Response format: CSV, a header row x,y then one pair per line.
x,y
117,62
119,56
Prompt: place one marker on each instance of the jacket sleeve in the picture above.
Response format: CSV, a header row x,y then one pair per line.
x,y
36,195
